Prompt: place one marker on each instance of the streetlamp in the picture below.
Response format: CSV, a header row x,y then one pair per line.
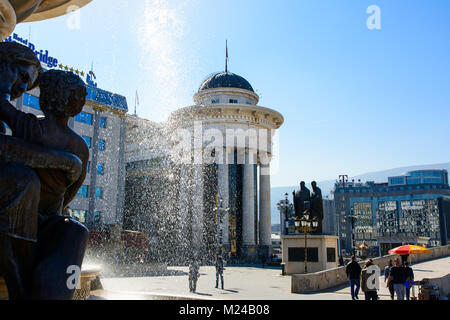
x,y
283,207
306,225
353,219
220,212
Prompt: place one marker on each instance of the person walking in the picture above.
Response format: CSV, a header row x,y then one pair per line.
x,y
398,276
370,291
194,274
387,270
341,261
410,278
353,271
219,270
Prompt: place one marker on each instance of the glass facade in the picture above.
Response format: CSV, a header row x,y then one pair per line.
x,y
88,141
84,117
397,180
31,101
98,192
101,145
83,192
413,181
100,168
103,122
387,220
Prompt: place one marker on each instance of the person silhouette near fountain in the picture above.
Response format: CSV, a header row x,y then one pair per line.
x,y
194,274
36,250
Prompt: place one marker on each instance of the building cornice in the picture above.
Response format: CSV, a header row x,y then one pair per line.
x,y
225,91
227,114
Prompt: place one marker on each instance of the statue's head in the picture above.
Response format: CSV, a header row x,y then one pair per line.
x,y
63,93
24,64
302,184
314,184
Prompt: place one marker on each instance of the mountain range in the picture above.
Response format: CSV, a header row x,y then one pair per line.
x,y
277,193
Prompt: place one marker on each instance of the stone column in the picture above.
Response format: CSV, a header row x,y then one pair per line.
x,y
248,208
224,194
197,209
265,232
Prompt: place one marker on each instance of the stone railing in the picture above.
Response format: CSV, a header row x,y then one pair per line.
x,y
302,283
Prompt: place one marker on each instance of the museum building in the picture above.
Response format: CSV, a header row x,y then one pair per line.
x,y
219,152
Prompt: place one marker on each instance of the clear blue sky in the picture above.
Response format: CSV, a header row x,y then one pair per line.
x,y
354,100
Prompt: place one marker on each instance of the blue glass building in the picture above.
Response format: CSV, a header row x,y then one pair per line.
x,y
411,208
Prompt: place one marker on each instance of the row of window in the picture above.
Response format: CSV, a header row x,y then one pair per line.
x,y
84,192
87,118
83,117
101,143
100,168
234,101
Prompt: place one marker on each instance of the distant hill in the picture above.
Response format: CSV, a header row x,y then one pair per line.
x,y
277,193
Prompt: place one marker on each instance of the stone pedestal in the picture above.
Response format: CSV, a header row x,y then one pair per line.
x,y
322,254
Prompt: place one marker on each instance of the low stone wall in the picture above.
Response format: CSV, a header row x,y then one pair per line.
x,y
303,283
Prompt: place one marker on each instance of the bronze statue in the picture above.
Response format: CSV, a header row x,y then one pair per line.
x,y
317,205
300,197
41,169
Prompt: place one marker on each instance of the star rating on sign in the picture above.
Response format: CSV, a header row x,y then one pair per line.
x,y
78,72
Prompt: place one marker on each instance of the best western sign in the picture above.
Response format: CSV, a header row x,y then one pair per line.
x,y
44,57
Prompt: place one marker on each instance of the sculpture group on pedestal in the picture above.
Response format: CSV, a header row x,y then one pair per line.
x,y
305,200
42,166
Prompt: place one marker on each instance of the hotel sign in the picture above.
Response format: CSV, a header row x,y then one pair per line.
x,y
42,55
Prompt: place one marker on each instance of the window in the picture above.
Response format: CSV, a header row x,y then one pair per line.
x,y
215,101
88,167
103,122
298,254
83,192
248,103
84,117
88,140
432,180
233,101
31,101
399,180
100,169
79,215
414,181
331,255
99,193
101,145
97,216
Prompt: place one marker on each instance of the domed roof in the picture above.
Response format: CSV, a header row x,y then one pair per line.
x,y
225,80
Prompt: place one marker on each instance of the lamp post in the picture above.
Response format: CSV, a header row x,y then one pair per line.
x,y
220,212
306,225
353,219
283,207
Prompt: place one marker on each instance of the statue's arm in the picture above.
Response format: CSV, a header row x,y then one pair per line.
x,y
16,150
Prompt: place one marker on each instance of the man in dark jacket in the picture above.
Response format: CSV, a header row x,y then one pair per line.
x,y
353,271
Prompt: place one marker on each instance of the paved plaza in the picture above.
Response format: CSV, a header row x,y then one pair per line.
x,y
241,283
